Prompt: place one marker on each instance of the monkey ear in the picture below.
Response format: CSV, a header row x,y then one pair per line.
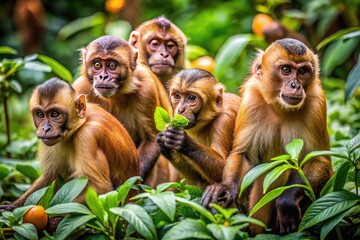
x,y
83,54
134,38
80,104
219,89
133,58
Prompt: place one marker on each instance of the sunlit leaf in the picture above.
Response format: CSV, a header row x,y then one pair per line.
x,y
95,206
48,195
166,202
274,174
72,207
35,197
188,229
315,154
242,218
61,71
219,231
7,50
161,118
294,148
69,191
125,188
338,35
27,171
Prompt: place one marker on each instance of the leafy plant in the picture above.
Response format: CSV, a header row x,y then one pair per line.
x,y
162,119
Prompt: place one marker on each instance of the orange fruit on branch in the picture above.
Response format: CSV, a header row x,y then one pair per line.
x,y
260,21
37,216
206,62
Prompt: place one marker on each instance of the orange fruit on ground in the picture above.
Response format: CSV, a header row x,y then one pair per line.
x,y
206,62
260,21
37,216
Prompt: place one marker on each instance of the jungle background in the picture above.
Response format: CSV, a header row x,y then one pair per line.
x,y
46,43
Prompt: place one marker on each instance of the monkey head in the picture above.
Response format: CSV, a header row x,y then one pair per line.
x,y
57,112
288,69
161,45
108,62
196,95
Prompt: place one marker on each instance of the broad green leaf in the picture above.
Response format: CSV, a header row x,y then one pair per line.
x,y
26,230
69,224
336,36
274,174
195,206
161,118
35,197
166,202
269,197
48,195
15,85
226,212
294,148
7,50
138,218
327,207
315,154
188,229
57,68
64,208
229,52
20,211
37,66
4,171
352,80
282,157
27,171
353,144
242,218
124,189
219,231
330,224
178,121
110,200
95,206
341,176
69,191
164,186
328,186
256,172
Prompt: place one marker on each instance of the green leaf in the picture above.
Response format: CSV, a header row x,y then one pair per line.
x,y
315,154
188,229
353,144
15,85
269,197
7,50
294,148
164,186
281,157
95,206
195,206
242,218
327,207
64,208
229,52
328,186
256,172
219,231
110,200
227,213
161,118
69,224
275,174
26,230
57,68
35,197
4,171
166,202
330,224
69,191
124,189
179,121
336,36
341,176
37,66
27,171
20,211
46,198
138,218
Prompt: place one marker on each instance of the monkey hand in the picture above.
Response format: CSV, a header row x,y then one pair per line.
x,y
172,139
7,206
288,215
217,193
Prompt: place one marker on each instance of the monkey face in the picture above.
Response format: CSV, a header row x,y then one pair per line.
x,y
186,104
50,124
107,75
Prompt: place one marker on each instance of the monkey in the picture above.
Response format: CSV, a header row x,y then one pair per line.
x,y
282,99
78,139
161,46
112,78
200,149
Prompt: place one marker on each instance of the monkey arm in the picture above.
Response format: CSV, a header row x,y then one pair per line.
x,y
148,154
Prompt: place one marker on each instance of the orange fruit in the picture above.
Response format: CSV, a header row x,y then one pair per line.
x,y
206,62
260,21
114,6
37,216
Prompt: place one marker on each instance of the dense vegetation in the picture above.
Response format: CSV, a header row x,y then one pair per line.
x,y
221,30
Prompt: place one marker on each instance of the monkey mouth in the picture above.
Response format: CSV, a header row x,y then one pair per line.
x,y
50,141
162,65
105,90
292,99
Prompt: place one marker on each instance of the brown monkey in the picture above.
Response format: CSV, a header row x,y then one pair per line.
x,y
199,151
78,139
130,91
161,46
281,100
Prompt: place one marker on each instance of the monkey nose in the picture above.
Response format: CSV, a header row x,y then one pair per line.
x,y
295,84
104,78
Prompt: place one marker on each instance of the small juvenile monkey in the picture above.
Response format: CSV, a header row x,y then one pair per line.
x,y
161,46
129,90
78,139
281,100
200,149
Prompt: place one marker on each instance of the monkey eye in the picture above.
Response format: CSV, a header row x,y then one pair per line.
x,y
170,45
112,66
154,43
192,98
303,71
177,96
40,114
97,65
286,70
55,114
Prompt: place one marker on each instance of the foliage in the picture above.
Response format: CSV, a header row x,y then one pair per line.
x,y
163,120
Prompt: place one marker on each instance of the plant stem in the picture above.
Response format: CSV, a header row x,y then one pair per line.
x,y
307,183
355,178
7,124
